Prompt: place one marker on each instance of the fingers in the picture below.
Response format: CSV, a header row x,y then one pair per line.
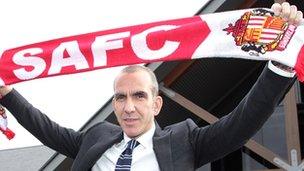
x,y
299,18
277,9
288,12
285,11
293,14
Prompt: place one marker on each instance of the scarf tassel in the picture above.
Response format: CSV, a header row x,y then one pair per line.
x,y
3,124
8,133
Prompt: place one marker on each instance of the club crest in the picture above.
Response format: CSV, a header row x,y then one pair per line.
x,y
259,31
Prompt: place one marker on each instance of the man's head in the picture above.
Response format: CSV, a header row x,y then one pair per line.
x,y
136,101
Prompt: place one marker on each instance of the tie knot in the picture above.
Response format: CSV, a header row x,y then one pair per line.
x,y
132,144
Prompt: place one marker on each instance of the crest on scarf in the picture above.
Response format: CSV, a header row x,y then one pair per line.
x,y
259,31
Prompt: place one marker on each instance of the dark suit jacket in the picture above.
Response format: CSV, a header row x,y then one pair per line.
x,y
182,146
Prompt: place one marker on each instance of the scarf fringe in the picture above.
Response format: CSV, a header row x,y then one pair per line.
x,y
3,128
8,133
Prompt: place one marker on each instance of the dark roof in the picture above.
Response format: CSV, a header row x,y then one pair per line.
x,y
227,81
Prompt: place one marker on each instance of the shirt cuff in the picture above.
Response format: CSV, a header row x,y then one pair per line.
x,y
280,71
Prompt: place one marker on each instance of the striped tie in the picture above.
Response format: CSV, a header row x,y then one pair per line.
x,y
125,159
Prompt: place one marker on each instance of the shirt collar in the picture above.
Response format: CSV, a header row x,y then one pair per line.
x,y
145,139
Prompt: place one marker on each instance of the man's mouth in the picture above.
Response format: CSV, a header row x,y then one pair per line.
x,y
130,121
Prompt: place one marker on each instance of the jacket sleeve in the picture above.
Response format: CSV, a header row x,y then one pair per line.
x,y
63,140
235,129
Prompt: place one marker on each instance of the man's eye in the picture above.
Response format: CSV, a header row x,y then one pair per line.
x,y
119,97
140,95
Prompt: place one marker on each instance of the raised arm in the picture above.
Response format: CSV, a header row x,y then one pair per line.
x,y
63,140
235,129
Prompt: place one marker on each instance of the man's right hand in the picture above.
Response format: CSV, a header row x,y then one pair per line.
x,y
288,12
4,90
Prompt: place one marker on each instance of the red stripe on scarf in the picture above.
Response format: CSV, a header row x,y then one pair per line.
x,y
299,67
159,41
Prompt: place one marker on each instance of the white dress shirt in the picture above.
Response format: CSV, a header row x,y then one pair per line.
x,y
143,157
280,71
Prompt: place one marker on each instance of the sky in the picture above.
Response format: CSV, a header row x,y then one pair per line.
x,y
72,99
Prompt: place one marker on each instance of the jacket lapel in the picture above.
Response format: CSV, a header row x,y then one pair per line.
x,y
96,151
162,149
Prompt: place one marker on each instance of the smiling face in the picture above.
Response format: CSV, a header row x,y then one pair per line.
x,y
134,103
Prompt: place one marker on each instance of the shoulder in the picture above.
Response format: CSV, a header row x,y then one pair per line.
x,y
188,123
181,135
184,127
102,128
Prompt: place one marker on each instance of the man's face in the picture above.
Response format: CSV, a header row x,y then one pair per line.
x,y
134,104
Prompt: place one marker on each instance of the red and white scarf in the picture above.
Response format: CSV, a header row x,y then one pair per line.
x,y
248,34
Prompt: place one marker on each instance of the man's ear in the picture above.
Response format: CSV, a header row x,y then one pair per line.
x,y
113,104
158,103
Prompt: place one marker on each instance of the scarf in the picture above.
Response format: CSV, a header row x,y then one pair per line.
x,y
254,34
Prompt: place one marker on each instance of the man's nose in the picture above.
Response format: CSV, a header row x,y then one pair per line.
x,y
129,106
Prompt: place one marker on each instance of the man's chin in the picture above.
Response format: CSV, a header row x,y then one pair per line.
x,y
131,131
132,134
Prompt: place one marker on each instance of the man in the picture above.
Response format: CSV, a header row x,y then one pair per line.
x,y
182,146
